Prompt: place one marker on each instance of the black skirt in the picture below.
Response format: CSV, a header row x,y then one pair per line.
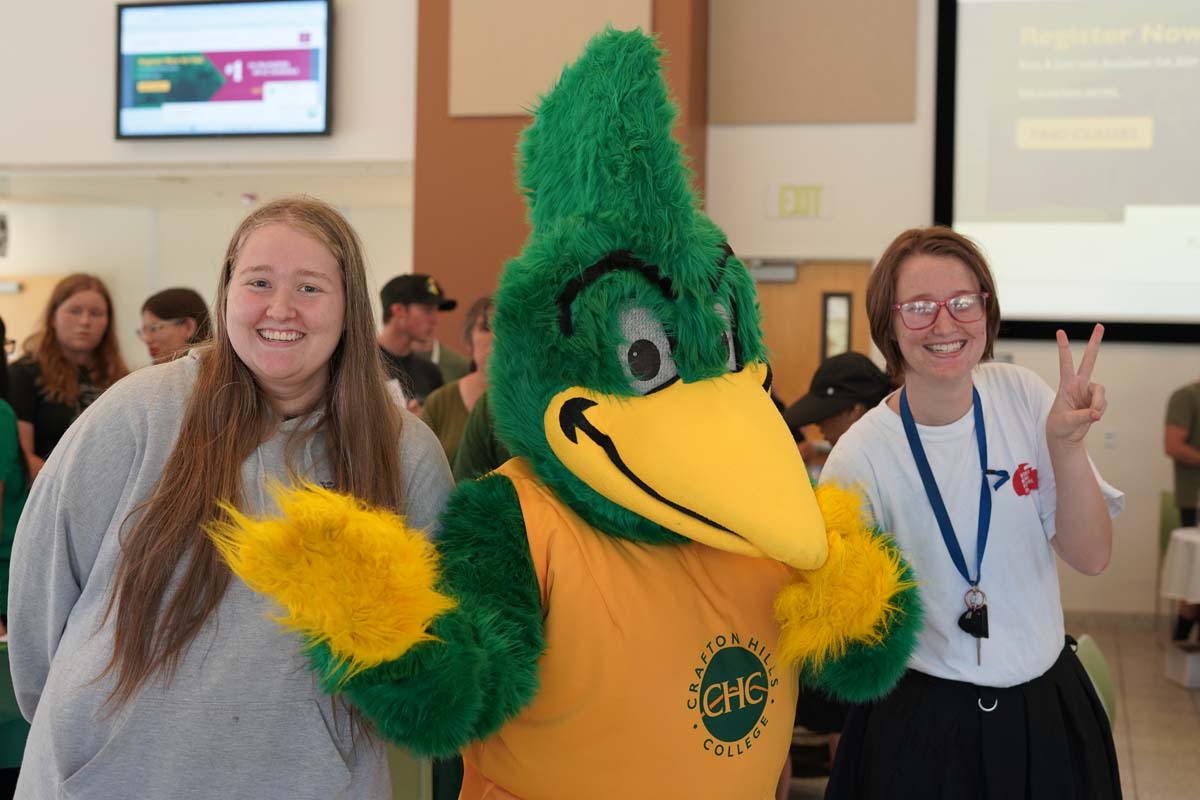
x,y
818,712
1047,739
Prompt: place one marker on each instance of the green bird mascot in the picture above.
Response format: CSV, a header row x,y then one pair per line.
x,y
626,608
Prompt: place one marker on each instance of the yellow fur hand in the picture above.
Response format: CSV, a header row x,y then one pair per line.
x,y
353,576
848,599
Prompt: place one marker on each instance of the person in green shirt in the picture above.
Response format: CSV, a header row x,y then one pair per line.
x,y
446,409
479,451
14,478
1181,441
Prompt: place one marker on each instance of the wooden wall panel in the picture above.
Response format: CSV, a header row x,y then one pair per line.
x,y
501,68
814,61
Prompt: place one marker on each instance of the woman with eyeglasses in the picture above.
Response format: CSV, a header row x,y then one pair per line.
x,y
447,407
68,363
980,472
172,321
14,479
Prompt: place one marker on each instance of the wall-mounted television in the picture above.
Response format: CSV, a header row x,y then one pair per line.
x,y
223,68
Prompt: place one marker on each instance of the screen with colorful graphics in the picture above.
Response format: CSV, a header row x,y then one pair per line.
x,y
223,68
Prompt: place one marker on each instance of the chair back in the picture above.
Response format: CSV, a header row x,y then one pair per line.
x,y
1096,667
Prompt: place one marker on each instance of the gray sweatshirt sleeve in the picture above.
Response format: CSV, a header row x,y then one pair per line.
x,y
45,579
69,512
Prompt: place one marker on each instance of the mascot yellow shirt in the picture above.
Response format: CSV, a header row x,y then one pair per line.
x,y
655,656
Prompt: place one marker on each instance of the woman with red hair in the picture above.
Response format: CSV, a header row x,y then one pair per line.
x,y
67,364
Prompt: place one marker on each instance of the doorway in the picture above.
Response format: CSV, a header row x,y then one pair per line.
x,y
798,321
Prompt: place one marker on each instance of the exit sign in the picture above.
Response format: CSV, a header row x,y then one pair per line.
x,y
798,201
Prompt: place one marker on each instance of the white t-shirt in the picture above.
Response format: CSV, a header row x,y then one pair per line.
x,y
1020,574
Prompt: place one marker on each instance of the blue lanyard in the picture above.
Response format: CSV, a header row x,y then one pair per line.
x,y
935,497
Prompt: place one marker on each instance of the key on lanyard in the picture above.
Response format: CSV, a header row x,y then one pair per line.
x,y
974,620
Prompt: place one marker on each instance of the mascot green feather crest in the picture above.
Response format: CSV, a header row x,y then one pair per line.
x,y
603,176
600,151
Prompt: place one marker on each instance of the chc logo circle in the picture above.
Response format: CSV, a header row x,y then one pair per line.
x,y
733,693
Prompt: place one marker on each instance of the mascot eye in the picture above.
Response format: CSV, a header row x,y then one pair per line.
x,y
727,343
644,360
645,352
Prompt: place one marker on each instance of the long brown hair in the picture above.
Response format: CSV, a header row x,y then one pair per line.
x,y
227,417
60,377
937,240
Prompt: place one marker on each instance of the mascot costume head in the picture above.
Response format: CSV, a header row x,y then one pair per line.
x,y
627,607
629,367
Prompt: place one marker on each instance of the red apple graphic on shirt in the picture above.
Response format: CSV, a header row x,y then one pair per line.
x,y
1025,479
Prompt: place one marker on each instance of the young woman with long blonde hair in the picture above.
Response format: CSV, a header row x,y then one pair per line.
x,y
145,668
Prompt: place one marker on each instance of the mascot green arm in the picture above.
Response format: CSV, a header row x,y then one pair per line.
x,y
481,668
851,624
452,654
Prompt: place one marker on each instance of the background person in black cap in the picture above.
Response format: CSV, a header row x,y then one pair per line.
x,y
843,388
410,314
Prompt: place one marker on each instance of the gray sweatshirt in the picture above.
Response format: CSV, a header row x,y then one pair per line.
x,y
243,717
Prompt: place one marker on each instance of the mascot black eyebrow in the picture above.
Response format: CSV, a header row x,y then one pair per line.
x,y
623,609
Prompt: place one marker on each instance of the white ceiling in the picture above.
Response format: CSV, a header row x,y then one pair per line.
x,y
354,185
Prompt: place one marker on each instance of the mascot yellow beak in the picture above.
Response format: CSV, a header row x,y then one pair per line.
x,y
711,460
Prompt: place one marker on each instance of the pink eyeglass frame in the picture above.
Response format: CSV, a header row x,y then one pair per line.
x,y
940,305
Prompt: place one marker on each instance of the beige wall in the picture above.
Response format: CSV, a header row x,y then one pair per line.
x,y
147,239
112,242
136,251
1127,449
59,64
880,175
881,179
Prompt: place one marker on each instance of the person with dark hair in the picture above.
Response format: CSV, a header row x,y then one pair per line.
x,y
68,363
172,321
843,388
145,666
14,481
993,703
447,408
410,315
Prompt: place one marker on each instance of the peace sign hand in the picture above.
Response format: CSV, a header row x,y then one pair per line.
x,y
1079,402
